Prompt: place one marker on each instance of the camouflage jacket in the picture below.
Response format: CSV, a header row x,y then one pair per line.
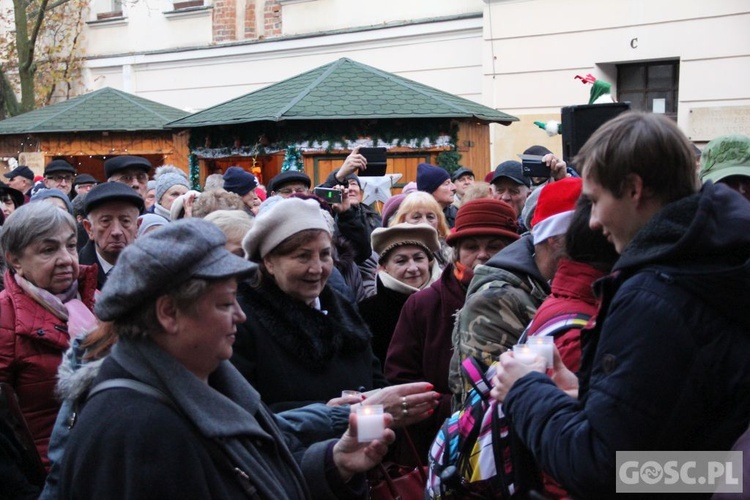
x,y
501,301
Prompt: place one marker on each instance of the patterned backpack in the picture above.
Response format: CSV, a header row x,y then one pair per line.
x,y
475,453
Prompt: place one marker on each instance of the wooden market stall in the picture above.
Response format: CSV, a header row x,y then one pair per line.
x,y
321,115
90,128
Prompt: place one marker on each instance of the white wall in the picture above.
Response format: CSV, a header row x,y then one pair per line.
x,y
534,48
145,28
445,55
310,16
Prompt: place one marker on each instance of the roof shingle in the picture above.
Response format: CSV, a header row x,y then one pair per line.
x,y
343,89
106,109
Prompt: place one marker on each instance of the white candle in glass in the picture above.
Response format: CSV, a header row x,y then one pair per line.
x,y
544,347
370,423
524,354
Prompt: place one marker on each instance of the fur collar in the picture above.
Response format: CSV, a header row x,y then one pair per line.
x,y
74,382
314,337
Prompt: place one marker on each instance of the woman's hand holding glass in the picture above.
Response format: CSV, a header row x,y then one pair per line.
x,y
565,379
510,369
352,457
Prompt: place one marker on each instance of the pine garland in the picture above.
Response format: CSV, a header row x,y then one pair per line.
x,y
195,180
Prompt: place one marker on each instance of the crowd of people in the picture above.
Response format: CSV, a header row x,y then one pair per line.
x,y
217,342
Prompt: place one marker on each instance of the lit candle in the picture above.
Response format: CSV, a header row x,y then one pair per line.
x,y
370,423
351,394
524,354
544,347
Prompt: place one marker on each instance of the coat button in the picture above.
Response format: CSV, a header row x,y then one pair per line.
x,y
609,363
40,332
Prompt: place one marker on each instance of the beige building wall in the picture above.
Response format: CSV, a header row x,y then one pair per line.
x,y
518,56
445,55
533,50
311,16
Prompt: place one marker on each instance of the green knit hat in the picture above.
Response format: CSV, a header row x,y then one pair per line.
x,y
725,156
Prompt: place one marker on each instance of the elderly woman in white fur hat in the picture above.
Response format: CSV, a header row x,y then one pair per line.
x,y
302,342
406,264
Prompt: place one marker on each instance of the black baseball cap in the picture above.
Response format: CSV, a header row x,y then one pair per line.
x,y
21,170
513,170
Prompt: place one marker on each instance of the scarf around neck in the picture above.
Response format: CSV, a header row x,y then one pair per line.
x,y
65,306
463,274
392,283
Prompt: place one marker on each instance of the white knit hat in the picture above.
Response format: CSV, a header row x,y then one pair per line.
x,y
285,218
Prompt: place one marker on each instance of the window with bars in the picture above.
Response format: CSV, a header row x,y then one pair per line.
x,y
650,86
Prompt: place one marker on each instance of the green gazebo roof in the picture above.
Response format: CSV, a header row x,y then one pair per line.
x,y
106,109
342,90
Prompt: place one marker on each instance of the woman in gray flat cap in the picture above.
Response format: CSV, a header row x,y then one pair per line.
x,y
169,416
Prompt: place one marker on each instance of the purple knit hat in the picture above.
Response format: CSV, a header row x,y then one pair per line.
x,y
390,207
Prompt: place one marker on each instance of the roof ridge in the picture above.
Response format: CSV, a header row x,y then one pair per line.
x,y
412,85
133,99
311,86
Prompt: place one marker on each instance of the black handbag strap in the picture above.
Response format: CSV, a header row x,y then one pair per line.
x,y
218,455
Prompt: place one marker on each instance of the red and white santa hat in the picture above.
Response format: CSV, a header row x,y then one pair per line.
x,y
555,208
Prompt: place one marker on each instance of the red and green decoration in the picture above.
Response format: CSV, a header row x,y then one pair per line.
x,y
328,135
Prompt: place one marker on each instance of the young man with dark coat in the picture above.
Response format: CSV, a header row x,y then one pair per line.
x,y
665,361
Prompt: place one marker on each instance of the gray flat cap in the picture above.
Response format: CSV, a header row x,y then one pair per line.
x,y
162,260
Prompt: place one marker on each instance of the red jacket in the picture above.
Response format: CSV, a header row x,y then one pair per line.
x,y
571,293
32,344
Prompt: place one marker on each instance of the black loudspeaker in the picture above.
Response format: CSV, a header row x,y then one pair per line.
x,y
579,122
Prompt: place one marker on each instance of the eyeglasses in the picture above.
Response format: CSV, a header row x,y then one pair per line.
x,y
289,190
141,177
60,178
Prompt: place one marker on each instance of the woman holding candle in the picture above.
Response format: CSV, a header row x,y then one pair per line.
x,y
421,347
406,264
302,341
202,430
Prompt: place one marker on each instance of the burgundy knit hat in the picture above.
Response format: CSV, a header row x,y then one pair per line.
x,y
390,207
484,217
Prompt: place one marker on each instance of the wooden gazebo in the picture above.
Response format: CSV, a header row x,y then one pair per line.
x,y
92,127
322,114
